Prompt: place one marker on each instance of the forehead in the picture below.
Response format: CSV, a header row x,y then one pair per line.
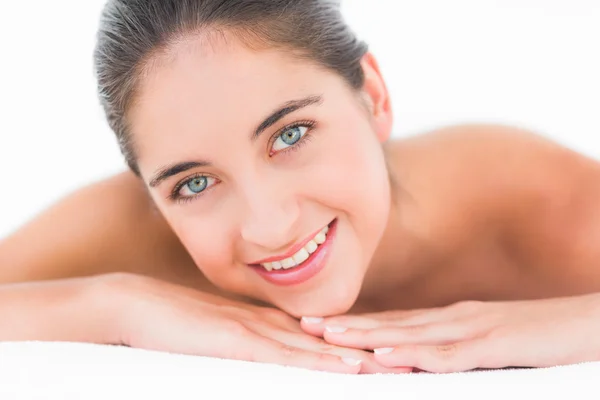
x,y
207,88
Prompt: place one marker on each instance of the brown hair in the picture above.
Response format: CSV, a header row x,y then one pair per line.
x,y
133,31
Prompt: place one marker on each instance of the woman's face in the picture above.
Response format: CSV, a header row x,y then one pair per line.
x,y
250,154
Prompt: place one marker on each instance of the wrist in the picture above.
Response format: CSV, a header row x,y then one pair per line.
x,y
110,300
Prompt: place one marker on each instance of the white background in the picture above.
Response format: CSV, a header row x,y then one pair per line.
x,y
532,63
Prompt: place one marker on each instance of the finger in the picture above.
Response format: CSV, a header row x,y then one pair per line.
x,y
401,314
256,348
420,317
439,333
371,366
304,341
316,326
454,357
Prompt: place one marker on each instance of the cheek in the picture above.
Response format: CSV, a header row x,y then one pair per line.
x,y
209,244
354,174
355,181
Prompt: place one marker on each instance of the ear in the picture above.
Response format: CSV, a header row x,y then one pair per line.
x,y
376,94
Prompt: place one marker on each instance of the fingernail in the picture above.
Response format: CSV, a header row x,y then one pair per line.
x,y
312,320
384,350
336,329
353,362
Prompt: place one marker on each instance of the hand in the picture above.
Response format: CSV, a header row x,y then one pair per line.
x,y
471,335
161,316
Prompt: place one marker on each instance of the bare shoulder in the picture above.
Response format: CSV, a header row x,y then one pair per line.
x,y
504,148
107,226
546,194
485,160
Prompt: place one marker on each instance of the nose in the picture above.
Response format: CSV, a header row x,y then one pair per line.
x,y
271,215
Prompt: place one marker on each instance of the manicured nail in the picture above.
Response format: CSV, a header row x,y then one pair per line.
x,y
336,329
353,362
384,350
312,320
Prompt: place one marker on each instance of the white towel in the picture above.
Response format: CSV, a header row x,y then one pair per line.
x,y
34,370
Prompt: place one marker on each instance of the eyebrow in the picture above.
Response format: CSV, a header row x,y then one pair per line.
x,y
284,110
174,169
287,108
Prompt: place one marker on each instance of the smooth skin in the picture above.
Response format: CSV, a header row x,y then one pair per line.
x,y
484,240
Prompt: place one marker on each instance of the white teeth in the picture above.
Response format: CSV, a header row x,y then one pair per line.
x,y
320,238
276,265
288,263
301,256
311,246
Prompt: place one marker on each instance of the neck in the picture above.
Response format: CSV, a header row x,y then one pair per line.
x,y
398,259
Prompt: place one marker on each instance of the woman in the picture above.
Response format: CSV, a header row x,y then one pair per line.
x,y
267,216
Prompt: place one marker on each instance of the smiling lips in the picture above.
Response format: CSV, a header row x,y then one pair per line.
x,y
298,254
302,262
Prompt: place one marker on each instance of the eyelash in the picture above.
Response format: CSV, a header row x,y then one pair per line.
x,y
176,197
296,146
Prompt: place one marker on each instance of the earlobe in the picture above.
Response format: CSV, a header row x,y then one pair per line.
x,y
377,96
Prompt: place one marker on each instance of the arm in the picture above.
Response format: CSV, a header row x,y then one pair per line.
x,y
72,310
47,291
58,283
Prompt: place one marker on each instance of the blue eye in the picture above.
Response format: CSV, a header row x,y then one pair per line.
x,y
198,184
289,137
194,186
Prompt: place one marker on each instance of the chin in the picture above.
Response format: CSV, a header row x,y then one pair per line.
x,y
329,301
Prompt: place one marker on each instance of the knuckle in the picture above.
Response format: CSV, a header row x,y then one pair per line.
x,y
446,351
287,351
322,358
416,330
325,347
321,361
